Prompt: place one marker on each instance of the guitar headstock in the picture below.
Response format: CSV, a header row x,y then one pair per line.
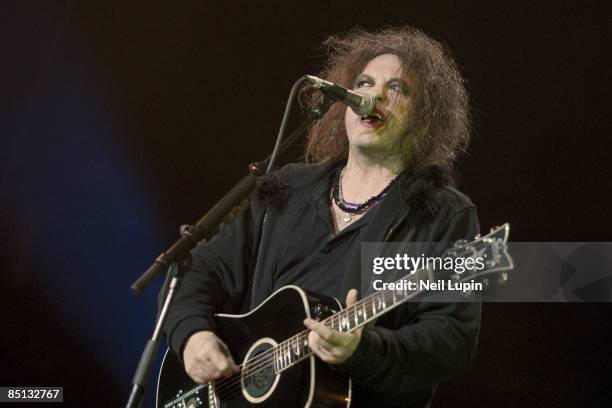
x,y
492,248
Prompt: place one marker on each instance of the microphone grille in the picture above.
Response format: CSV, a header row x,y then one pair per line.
x,y
366,106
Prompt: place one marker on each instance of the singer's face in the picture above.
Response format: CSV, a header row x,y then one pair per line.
x,y
379,133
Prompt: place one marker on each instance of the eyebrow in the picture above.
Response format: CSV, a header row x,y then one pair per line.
x,y
366,76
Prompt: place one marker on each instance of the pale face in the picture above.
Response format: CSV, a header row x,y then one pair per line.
x,y
380,132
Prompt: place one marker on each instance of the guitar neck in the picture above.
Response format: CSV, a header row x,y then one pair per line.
x,y
295,349
378,303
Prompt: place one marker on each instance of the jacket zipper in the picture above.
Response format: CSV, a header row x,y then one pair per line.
x,y
258,261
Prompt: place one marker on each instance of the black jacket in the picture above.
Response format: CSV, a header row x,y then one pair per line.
x,y
401,358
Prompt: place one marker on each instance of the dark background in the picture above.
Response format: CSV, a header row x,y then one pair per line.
x,y
119,122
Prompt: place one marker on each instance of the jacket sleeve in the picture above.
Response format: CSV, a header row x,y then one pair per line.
x,y
431,345
218,279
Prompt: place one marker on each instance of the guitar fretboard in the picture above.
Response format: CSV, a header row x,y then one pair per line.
x,y
295,349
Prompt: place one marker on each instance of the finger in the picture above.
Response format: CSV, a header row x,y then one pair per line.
x,y
329,352
201,374
320,349
222,366
322,330
327,355
313,343
196,376
351,297
233,366
334,337
325,345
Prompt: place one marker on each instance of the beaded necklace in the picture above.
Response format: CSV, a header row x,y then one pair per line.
x,y
352,209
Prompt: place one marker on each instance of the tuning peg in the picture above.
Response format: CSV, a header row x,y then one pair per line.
x,y
460,243
503,278
494,228
478,236
486,282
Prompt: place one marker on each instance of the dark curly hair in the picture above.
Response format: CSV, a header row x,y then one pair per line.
x,y
440,127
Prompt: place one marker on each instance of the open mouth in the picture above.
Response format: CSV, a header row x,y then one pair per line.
x,y
375,119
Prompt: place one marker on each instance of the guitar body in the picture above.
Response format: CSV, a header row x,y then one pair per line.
x,y
250,338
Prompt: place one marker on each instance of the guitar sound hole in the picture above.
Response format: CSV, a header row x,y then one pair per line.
x,y
258,372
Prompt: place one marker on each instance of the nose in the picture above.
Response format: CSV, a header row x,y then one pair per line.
x,y
378,92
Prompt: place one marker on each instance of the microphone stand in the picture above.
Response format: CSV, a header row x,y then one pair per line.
x,y
177,259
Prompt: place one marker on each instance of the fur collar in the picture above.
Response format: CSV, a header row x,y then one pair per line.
x,y
272,191
421,191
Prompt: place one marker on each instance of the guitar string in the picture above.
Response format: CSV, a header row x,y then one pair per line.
x,y
349,314
235,386
269,356
395,297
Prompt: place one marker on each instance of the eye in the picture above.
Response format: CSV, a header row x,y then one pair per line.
x,y
361,83
396,86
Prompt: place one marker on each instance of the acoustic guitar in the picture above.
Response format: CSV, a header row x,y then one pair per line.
x,y
277,367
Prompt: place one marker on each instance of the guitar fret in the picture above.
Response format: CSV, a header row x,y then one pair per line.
x,y
288,358
286,355
292,349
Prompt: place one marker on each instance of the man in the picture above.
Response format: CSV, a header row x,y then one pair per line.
x,y
384,177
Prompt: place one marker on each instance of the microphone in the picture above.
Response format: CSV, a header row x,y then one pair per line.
x,y
360,102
